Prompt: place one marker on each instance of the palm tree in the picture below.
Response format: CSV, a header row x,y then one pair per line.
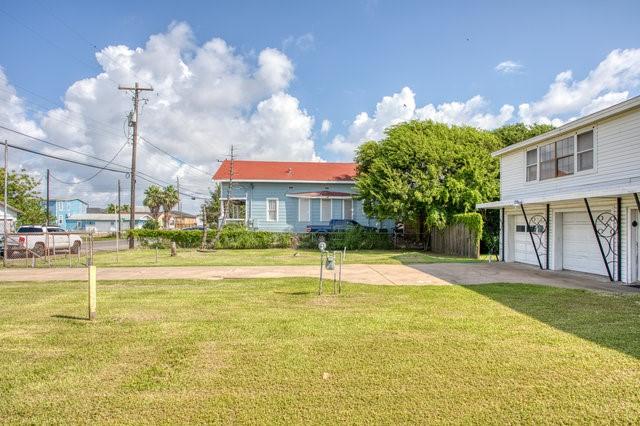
x,y
170,198
112,208
153,198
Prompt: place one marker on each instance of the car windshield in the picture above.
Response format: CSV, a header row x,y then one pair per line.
x,y
24,229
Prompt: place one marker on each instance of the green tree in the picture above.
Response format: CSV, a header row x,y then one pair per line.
x,y
514,133
170,198
153,197
23,194
427,172
113,208
212,208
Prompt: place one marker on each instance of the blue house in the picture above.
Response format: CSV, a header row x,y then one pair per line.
x,y
288,196
63,208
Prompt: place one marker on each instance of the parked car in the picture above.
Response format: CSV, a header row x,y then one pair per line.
x,y
193,228
341,225
38,239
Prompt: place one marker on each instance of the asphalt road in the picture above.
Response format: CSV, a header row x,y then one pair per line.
x,y
109,245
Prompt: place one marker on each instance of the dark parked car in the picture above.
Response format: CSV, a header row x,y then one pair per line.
x,y
340,225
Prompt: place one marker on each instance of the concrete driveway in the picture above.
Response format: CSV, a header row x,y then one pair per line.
x,y
417,274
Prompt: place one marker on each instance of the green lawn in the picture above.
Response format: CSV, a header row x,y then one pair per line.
x,y
187,257
272,351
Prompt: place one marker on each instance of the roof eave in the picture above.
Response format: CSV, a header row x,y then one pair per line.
x,y
611,111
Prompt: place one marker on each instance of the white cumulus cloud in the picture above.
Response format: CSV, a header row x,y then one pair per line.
x,y
609,83
206,98
509,66
325,127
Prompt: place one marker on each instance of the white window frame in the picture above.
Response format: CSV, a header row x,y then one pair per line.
x,y
330,209
575,134
344,216
277,209
308,218
527,165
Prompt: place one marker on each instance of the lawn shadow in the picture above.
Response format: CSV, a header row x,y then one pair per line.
x,y
610,321
295,293
70,317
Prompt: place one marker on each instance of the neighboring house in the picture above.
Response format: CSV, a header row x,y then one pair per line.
x,y
569,198
62,208
288,196
12,217
96,210
183,220
103,222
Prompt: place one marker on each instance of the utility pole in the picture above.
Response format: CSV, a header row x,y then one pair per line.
x,y
178,187
119,210
48,199
4,203
229,190
133,122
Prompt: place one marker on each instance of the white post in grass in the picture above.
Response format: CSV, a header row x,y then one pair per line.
x,y
92,292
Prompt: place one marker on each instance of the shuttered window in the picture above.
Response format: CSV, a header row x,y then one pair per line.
x,y
347,208
272,209
532,165
325,210
304,210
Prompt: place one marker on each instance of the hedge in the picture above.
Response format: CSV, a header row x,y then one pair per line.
x,y
239,237
352,239
232,237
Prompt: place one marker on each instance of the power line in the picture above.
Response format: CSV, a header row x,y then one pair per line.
x,y
96,173
55,157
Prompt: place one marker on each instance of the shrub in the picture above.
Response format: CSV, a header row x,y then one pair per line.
x,y
473,221
232,237
151,224
352,239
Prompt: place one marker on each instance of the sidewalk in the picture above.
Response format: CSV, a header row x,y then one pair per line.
x,y
418,274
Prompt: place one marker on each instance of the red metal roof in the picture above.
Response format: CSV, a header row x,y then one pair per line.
x,y
286,171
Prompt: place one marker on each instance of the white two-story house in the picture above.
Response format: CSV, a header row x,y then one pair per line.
x,y
569,197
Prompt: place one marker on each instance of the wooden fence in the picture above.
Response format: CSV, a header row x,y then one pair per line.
x,y
455,240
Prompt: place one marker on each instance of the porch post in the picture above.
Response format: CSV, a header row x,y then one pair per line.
x,y
635,195
619,236
595,232
547,236
531,235
502,224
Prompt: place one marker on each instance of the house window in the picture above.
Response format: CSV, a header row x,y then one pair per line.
x,y
304,210
532,165
347,209
272,209
548,161
325,210
585,151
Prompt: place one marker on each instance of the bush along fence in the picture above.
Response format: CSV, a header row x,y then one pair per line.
x,y
239,237
460,238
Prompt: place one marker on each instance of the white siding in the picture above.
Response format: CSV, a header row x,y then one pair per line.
x,y
617,150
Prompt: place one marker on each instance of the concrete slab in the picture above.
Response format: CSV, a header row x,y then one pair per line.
x,y
417,274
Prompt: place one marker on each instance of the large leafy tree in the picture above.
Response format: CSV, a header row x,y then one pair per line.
x,y
170,198
23,194
514,133
427,171
153,197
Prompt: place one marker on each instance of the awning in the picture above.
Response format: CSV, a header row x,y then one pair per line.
x,y
322,194
599,192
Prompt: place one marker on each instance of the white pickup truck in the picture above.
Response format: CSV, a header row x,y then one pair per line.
x,y
38,239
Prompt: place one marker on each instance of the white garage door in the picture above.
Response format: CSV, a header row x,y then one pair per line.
x,y
580,251
524,251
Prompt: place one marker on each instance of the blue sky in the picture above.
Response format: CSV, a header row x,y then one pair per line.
x,y
346,56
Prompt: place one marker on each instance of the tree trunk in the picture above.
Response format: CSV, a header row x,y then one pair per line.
x,y
422,217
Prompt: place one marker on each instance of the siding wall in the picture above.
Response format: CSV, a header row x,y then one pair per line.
x,y
617,150
257,194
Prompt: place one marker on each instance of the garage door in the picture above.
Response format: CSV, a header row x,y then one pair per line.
x,y
524,251
580,251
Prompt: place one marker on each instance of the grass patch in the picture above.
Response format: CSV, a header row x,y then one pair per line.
x,y
271,351
187,257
